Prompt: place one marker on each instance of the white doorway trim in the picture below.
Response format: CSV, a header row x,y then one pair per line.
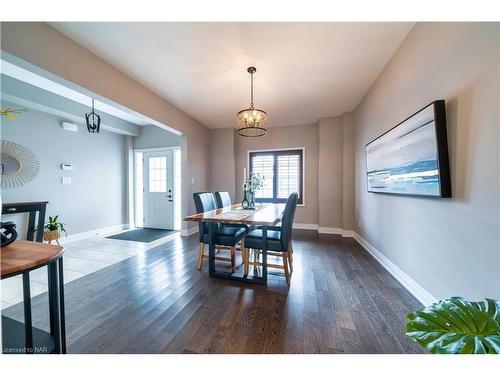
x,y
138,184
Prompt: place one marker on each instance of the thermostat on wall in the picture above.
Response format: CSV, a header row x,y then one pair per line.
x,y
67,166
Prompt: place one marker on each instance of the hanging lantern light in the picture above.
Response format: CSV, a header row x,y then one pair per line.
x,y
93,120
252,122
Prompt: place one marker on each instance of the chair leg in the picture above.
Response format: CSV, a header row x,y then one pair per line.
x,y
285,267
244,255
290,257
242,249
233,259
200,255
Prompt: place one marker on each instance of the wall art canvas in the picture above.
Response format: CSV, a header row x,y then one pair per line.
x,y
412,157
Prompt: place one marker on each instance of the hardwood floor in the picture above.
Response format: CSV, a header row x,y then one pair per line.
x,y
340,301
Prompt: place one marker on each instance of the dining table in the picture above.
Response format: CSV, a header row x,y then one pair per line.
x,y
265,216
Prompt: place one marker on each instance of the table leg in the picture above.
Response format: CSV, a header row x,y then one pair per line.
x,y
264,254
61,297
28,324
54,311
212,228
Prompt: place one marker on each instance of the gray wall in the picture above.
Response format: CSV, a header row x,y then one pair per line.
x,y
329,164
449,246
286,137
330,176
348,171
222,162
96,196
152,137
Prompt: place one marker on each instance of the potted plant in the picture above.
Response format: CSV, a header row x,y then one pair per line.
x,y
53,230
253,183
457,326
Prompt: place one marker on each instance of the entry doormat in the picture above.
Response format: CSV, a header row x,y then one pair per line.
x,y
142,234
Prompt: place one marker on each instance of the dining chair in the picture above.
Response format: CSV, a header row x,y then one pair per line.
x,y
226,237
279,242
222,199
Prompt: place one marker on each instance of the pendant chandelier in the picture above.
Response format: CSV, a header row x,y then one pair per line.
x,y
93,120
252,122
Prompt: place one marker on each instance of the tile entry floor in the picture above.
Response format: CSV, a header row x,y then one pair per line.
x,y
81,258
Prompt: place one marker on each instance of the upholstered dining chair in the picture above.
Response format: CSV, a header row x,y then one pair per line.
x,y
279,242
222,199
226,237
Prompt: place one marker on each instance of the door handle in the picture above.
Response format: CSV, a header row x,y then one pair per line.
x,y
170,200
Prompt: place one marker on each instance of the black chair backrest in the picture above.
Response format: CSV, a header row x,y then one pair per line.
x,y
203,201
222,199
287,220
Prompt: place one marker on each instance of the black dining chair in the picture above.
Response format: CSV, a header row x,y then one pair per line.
x,y
226,237
222,199
279,242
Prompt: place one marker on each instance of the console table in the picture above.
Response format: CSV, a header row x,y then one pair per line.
x,y
19,258
32,208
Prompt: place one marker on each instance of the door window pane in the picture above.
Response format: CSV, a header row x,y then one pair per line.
x,y
158,174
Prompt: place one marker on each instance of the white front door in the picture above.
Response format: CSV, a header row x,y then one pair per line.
x,y
158,172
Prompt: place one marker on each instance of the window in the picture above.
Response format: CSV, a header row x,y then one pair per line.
x,y
283,173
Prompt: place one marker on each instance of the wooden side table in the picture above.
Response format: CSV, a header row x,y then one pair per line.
x,y
19,258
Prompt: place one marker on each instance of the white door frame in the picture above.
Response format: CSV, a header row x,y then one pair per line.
x,y
177,184
158,196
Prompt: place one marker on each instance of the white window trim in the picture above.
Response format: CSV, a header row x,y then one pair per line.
x,y
303,204
155,149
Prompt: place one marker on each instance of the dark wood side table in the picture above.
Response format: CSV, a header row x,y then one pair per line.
x,y
19,258
32,208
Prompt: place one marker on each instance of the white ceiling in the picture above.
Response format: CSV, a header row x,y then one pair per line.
x,y
305,71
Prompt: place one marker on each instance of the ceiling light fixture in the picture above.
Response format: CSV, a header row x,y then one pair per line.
x,y
252,122
93,120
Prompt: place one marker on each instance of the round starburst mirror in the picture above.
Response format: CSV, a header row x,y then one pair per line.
x,y
18,165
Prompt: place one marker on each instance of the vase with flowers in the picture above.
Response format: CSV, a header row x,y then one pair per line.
x,y
251,184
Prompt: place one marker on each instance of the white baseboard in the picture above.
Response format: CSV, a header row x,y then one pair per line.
x,y
329,230
347,233
189,232
325,230
305,226
95,232
411,285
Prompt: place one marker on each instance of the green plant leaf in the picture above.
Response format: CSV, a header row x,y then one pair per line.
x,y
456,325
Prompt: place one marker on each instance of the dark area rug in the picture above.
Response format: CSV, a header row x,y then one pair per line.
x,y
142,234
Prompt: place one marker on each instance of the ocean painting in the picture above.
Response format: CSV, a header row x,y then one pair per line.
x,y
405,159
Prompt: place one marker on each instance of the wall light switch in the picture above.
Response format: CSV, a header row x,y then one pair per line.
x,y
66,180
